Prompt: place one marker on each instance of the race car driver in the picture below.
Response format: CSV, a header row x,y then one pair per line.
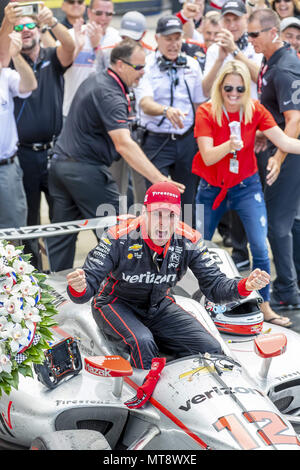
x,y
130,272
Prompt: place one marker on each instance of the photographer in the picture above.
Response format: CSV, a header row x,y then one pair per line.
x,y
167,97
95,133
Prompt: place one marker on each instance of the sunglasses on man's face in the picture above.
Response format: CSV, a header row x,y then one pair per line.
x,y
229,88
255,34
20,27
135,67
72,2
100,13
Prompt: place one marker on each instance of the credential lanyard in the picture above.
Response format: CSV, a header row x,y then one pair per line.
x,y
240,117
115,77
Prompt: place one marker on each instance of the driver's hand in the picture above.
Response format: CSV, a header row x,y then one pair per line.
x,y
257,279
77,280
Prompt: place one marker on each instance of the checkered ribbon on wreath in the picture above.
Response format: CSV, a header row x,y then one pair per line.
x,y
21,357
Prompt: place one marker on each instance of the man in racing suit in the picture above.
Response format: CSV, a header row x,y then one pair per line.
x,y
137,262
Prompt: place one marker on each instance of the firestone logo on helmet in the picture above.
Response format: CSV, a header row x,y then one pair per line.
x,y
164,193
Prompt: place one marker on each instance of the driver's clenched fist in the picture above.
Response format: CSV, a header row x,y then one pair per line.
x,y
77,280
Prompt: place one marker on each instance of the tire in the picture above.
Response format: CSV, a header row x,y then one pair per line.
x,y
81,439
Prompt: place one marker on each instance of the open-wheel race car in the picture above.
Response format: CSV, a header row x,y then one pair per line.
x,y
247,398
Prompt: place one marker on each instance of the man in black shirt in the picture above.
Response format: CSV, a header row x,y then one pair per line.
x,y
39,117
95,132
279,82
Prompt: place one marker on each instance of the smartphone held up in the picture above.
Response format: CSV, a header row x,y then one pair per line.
x,y
29,8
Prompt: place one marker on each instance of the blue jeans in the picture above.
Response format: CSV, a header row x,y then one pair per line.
x,y
247,199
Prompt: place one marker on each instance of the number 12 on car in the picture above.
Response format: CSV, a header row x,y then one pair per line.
x,y
270,433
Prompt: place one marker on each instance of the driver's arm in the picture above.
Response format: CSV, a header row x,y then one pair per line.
x,y
214,284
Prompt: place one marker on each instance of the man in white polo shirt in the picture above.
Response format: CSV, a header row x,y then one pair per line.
x,y
167,96
91,39
19,82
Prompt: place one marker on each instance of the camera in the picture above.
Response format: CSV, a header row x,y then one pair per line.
x,y
30,8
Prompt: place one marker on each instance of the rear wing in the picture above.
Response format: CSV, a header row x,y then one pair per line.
x,y
98,224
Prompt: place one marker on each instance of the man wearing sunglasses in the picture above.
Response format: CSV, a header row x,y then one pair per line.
x,y
95,133
39,117
93,42
279,86
19,82
167,97
74,10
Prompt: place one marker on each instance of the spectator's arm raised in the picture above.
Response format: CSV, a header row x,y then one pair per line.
x,y
27,79
65,51
11,13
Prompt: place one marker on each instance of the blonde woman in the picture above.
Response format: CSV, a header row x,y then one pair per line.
x,y
228,168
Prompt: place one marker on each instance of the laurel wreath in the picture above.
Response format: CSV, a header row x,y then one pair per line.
x,y
26,316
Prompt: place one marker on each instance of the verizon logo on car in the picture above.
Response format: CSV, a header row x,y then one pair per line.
x,y
148,278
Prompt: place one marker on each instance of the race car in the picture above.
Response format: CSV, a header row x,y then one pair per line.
x,y
86,394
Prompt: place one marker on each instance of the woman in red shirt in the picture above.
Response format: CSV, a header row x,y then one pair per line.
x,y
228,168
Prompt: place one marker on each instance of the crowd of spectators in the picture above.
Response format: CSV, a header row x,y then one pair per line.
x,y
89,112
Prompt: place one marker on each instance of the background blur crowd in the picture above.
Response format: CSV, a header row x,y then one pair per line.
x,y
48,78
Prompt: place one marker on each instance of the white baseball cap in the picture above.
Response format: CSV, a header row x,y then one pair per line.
x,y
133,25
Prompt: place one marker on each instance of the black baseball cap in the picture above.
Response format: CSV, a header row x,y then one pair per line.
x,y
236,7
168,24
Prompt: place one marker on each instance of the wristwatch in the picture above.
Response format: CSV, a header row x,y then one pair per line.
x,y
55,23
165,110
235,52
44,29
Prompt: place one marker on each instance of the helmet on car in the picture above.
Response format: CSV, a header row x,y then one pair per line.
x,y
242,317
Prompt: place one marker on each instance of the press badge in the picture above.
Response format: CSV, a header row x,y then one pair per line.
x,y
234,165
